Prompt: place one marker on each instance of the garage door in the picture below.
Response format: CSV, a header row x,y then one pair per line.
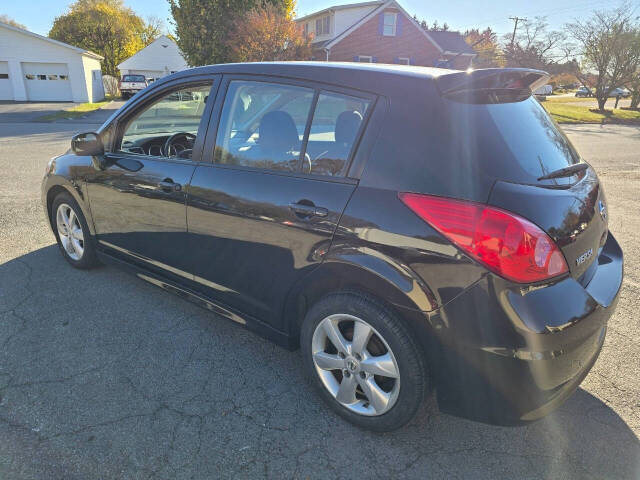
x,y
6,89
47,81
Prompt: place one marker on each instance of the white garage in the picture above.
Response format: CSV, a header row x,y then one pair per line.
x,y
6,90
36,68
47,81
160,58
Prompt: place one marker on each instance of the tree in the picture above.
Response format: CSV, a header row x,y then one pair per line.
x,y
107,28
634,87
485,44
4,18
203,27
609,43
266,34
152,29
435,27
533,45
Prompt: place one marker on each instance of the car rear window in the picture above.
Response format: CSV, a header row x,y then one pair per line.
x,y
513,141
133,78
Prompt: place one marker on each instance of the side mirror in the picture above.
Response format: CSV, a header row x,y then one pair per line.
x,y
88,143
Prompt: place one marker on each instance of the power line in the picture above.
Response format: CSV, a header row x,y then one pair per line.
x,y
551,12
515,27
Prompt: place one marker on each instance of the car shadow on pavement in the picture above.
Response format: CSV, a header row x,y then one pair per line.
x,y
105,376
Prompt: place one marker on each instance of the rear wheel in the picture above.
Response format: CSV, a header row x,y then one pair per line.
x,y
363,361
72,233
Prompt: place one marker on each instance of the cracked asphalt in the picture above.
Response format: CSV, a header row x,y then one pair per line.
x,y
105,376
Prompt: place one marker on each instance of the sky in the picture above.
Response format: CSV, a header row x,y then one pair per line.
x,y
38,15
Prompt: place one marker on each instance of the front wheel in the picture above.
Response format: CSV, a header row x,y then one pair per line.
x,y
72,233
364,361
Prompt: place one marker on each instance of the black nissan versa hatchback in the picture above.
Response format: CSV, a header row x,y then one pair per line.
x,y
410,229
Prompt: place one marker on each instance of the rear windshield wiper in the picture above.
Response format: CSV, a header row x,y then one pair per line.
x,y
566,171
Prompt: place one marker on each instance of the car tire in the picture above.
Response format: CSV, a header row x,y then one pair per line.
x,y
72,232
380,403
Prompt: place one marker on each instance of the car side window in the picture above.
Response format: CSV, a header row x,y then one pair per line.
x,y
262,125
336,122
169,125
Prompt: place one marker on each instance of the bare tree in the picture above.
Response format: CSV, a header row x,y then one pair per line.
x,y
634,88
533,45
609,43
110,84
4,18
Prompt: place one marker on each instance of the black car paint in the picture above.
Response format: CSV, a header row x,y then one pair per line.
x,y
499,352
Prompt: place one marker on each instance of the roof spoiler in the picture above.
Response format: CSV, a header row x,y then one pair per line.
x,y
491,85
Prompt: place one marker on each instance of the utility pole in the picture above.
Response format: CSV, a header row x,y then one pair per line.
x,y
515,27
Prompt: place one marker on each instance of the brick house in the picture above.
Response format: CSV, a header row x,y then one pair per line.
x,y
382,32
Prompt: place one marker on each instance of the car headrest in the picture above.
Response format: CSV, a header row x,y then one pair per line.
x,y
278,132
347,126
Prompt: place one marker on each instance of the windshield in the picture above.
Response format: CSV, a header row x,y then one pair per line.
x,y
133,78
515,141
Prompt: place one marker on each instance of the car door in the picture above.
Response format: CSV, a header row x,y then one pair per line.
x,y
138,198
263,212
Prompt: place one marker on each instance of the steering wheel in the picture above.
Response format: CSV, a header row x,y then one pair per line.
x,y
307,164
166,149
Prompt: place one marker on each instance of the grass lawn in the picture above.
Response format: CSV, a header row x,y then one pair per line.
x,y
558,99
565,112
75,111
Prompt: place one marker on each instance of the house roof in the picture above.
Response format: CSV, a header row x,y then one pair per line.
x,y
340,7
451,42
51,40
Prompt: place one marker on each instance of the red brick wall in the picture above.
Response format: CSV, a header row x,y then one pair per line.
x,y
366,40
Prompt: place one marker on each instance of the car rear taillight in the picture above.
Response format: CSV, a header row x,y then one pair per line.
x,y
505,243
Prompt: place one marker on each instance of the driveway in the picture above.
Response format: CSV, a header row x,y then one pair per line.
x,y
19,112
105,376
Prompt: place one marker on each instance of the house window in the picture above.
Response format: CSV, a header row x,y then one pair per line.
x,y
365,59
29,76
404,60
52,77
4,76
63,77
42,77
305,29
389,25
323,25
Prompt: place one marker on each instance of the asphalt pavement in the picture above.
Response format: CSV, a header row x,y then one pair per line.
x,y
105,376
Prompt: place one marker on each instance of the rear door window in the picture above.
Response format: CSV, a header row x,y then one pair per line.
x,y
263,125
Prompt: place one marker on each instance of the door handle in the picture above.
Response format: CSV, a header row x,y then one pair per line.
x,y
305,210
169,185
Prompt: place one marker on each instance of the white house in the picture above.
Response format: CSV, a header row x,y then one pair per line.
x,y
37,68
158,59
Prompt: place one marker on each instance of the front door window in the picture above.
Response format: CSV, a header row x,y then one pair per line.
x,y
168,127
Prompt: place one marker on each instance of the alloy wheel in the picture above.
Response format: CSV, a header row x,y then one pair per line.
x,y
355,364
70,231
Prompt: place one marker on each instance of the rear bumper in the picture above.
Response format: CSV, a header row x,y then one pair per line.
x,y
509,356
